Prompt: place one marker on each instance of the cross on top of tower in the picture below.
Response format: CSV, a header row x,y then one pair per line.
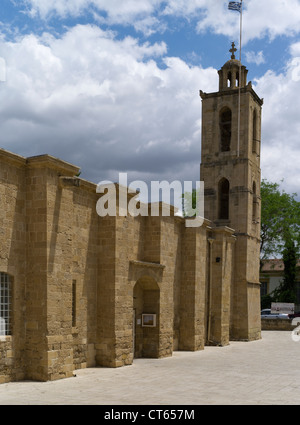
x,y
233,50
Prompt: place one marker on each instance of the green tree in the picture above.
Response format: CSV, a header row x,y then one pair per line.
x,y
286,290
280,235
189,203
280,220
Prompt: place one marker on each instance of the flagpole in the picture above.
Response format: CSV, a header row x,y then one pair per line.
x,y
240,82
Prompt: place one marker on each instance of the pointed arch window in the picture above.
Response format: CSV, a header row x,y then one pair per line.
x,y
225,129
223,199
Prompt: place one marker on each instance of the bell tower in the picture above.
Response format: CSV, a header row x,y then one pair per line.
x,y
230,169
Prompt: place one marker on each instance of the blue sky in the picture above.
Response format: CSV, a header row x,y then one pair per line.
x,y
112,85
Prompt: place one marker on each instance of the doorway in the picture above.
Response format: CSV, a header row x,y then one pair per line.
x,y
146,297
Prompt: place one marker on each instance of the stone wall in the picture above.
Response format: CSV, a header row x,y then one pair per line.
x,y
82,282
220,292
193,289
13,260
50,250
279,324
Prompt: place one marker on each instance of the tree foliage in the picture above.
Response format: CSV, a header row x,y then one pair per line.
x,y
280,220
189,203
280,237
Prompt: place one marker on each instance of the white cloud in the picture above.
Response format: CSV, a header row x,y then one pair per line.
x,y
272,18
260,18
253,57
149,26
117,11
184,8
294,64
281,125
103,104
295,49
2,70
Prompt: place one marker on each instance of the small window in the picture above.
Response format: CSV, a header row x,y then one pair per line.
x,y
5,304
264,288
224,199
225,129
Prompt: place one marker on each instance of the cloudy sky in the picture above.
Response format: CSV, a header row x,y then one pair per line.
x,y
113,85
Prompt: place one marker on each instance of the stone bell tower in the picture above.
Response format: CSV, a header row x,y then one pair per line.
x,y
230,169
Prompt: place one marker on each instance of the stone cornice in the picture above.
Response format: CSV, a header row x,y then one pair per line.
x,y
232,92
147,264
12,157
48,161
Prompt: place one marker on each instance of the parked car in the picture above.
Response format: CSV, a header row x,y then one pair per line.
x,y
293,315
266,314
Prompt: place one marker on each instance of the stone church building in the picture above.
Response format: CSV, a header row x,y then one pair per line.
x,y
79,290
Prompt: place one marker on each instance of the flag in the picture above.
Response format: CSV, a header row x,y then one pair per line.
x,y
235,5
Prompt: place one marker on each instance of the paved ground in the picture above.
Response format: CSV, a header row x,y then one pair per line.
x,y
260,372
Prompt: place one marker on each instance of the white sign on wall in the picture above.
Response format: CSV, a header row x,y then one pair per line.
x,y
286,308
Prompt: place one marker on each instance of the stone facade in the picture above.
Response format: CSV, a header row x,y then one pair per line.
x,y
79,283
230,169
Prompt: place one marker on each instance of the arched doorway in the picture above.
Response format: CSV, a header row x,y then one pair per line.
x,y
146,309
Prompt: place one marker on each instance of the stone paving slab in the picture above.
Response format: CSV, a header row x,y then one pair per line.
x,y
264,372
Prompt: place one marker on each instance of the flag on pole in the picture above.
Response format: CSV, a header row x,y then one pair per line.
x,y
238,7
235,5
